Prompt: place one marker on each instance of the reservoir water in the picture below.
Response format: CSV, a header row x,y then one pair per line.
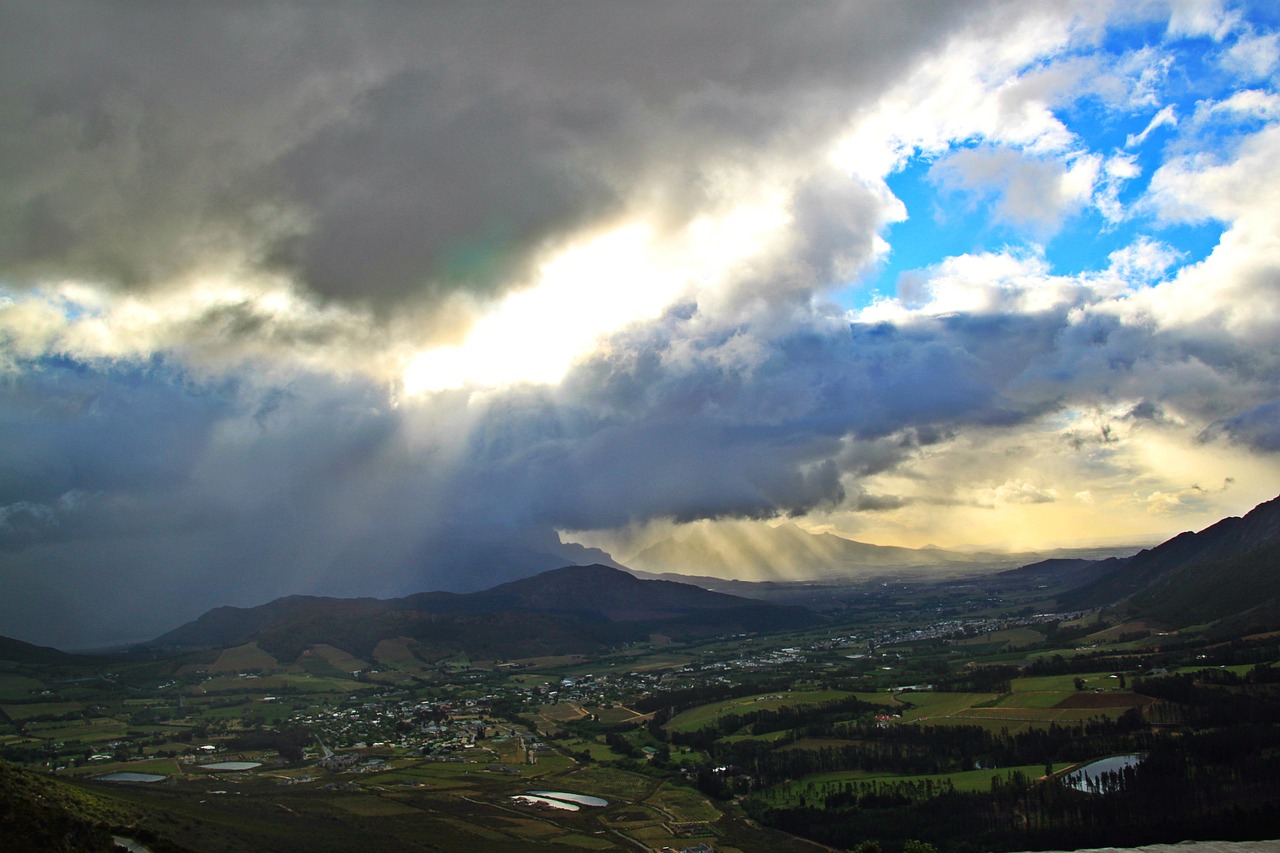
x,y
580,799
544,802
125,776
1085,778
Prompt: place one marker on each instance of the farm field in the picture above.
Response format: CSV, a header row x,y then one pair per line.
x,y
934,707
245,658
1010,638
18,687
41,709
704,715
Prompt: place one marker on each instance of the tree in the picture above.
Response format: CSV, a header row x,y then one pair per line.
x,y
1078,682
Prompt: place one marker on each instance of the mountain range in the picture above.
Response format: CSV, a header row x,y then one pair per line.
x,y
1230,571
787,552
571,609
1228,574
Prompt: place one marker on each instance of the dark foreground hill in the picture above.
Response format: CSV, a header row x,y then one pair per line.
x,y
1228,571
41,812
16,651
572,609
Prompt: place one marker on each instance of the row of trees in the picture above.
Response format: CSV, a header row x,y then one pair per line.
x,y
1218,786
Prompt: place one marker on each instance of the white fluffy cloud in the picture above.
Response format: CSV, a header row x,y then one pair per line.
x,y
1031,193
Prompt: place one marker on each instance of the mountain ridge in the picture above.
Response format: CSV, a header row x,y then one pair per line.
x,y
1221,572
570,608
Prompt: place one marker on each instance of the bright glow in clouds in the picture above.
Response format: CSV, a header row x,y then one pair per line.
x,y
534,335
589,291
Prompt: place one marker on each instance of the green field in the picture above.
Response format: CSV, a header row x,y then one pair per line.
x,y
682,804
1012,638
930,707
41,709
95,730
15,688
598,750
609,783
288,682
1062,683
1026,699
159,766
704,715
1033,701
244,659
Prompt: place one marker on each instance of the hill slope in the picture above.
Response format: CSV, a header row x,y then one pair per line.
x,y
17,651
571,609
1220,572
42,812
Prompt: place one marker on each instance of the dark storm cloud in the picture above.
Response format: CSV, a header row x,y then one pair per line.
x,y
385,153
421,189
68,427
1259,427
637,434
202,494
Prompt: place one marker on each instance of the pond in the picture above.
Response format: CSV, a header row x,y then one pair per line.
x,y
544,803
1086,778
580,799
129,777
231,766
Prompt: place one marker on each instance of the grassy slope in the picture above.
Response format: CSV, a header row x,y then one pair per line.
x,y
40,812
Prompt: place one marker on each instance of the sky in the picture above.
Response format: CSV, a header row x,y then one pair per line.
x,y
370,299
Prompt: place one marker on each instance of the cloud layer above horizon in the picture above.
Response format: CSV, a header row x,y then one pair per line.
x,y
303,298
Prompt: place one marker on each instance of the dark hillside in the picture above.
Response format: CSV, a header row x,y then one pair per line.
x,y
231,626
1066,571
39,812
1229,538
19,652
1213,589
617,595
571,609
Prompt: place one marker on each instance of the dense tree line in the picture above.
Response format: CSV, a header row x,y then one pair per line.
x,y
918,750
1087,663
1211,698
1212,775
289,743
1166,651
1203,784
979,679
